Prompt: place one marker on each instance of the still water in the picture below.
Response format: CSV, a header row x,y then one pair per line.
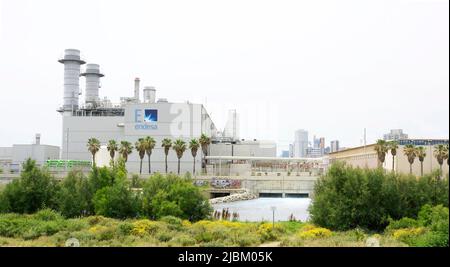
x,y
260,209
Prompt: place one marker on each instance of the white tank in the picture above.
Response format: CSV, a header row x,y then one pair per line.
x,y
149,94
72,62
93,76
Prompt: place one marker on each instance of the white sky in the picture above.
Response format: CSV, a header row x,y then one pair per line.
x,y
331,67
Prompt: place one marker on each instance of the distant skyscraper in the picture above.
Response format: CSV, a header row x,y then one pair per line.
x,y
232,127
334,146
300,143
395,134
291,150
322,143
316,142
285,154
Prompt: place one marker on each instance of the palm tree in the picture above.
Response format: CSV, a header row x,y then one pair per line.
x,y
381,147
179,146
125,149
194,145
393,146
141,146
410,152
112,148
167,144
441,154
93,146
150,145
421,154
204,141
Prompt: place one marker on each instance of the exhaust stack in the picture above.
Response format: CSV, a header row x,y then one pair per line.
x,y
136,89
72,62
93,76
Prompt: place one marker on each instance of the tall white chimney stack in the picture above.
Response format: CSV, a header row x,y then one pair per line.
x,y
93,76
136,89
72,62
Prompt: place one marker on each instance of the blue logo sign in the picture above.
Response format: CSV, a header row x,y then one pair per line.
x,y
150,115
149,122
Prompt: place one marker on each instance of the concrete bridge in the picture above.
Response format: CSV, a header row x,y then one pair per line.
x,y
263,186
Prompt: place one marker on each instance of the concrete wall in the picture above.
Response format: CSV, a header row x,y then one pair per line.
x,y
245,148
263,184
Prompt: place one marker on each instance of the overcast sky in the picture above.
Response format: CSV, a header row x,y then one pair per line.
x,y
330,67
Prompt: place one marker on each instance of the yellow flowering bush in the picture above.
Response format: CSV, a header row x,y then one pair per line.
x,y
312,232
101,232
186,223
269,232
143,227
405,233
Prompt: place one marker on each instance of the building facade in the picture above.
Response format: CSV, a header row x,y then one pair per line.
x,y
395,134
300,143
366,156
12,158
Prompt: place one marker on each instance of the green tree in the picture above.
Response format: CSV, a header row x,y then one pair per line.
x,y
35,189
421,154
441,154
204,141
410,152
93,146
173,195
347,197
141,147
117,201
125,149
381,147
393,146
150,141
166,144
74,198
112,147
193,146
180,147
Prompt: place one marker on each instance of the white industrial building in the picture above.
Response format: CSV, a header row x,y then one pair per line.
x,y
12,158
134,118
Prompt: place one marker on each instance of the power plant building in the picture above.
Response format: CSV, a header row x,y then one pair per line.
x,y
132,119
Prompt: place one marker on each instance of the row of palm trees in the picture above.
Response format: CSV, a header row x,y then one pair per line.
x,y
144,146
411,152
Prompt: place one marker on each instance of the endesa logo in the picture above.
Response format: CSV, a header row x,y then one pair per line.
x,y
146,119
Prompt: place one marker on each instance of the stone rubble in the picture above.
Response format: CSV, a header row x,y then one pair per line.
x,y
233,197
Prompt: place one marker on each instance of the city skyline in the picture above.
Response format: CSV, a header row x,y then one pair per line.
x,y
291,71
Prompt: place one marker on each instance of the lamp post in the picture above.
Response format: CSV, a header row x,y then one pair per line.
x,y
273,208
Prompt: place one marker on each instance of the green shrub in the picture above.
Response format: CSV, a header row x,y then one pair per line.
x,y
35,189
402,223
429,230
116,201
47,215
347,197
173,222
268,232
183,240
124,228
164,236
243,239
171,195
75,196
